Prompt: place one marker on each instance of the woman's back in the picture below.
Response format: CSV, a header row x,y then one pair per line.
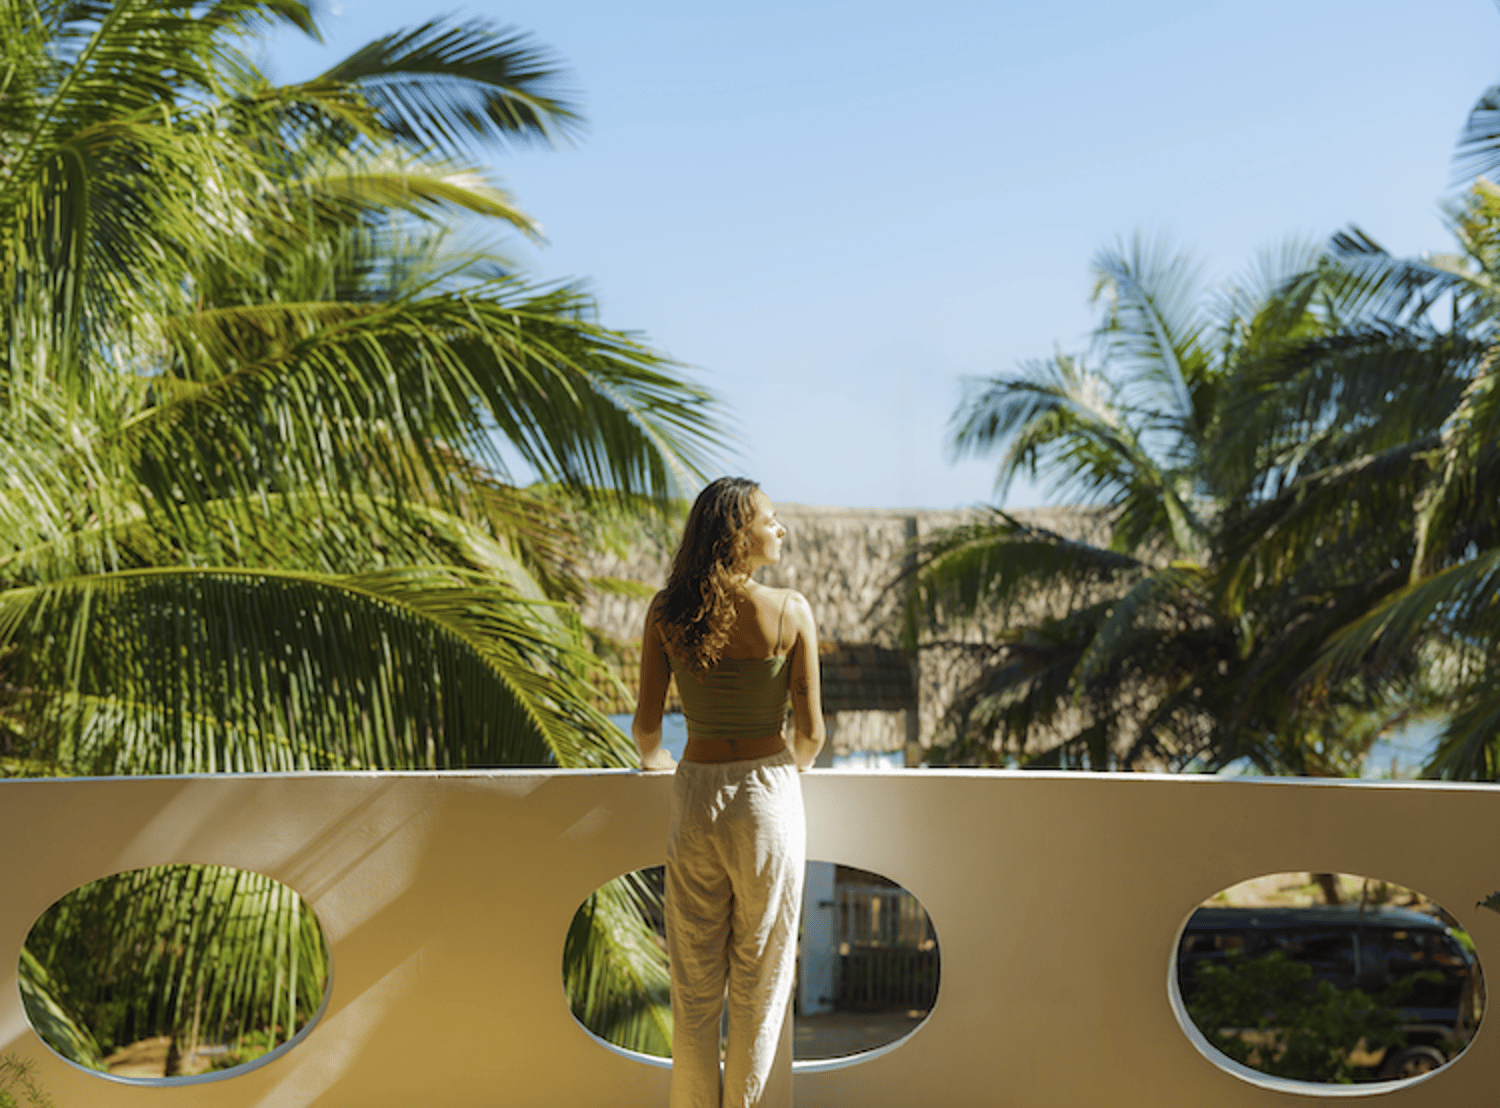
x,y
740,651
759,628
745,695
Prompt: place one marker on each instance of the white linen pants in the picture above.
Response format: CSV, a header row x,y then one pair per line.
x,y
735,858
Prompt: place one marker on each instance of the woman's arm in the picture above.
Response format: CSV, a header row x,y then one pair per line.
x,y
651,698
807,683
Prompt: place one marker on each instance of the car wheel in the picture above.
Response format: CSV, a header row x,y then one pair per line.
x,y
1412,1061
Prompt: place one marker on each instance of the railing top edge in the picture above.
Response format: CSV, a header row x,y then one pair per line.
x,y
1123,780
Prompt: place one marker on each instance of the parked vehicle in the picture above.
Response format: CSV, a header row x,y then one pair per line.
x,y
1369,949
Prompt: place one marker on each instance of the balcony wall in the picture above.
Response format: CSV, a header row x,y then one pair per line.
x,y
1057,899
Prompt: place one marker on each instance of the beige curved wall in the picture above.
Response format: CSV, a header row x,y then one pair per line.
x,y
1057,899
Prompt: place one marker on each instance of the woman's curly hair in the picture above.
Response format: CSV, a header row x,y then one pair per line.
x,y
696,610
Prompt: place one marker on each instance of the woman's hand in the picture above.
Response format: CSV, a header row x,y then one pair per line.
x,y
659,760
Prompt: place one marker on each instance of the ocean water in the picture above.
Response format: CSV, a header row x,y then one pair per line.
x,y
1401,754
673,730
1398,755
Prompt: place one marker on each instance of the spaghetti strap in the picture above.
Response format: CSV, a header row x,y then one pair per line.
x,y
780,620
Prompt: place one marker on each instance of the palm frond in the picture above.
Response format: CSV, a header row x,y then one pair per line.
x,y
1155,328
63,1030
1467,466
615,970
514,539
1326,401
247,16
1321,517
1018,697
1056,414
1382,286
1139,603
359,403
1467,747
1458,601
997,565
1272,296
1478,151
101,232
178,670
447,87
398,187
200,953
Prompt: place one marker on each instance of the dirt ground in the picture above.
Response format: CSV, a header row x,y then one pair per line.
x,y
836,1034
832,1035
148,1058
1298,890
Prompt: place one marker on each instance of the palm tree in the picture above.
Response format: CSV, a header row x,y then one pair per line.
x,y
1127,653
258,516
1397,409
1406,501
106,988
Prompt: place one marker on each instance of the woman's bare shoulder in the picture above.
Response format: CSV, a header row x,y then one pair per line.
x,y
774,598
791,602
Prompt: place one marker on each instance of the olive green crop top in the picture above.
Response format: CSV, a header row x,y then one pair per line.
x,y
740,698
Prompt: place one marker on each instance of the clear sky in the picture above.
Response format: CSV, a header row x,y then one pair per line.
x,y
834,211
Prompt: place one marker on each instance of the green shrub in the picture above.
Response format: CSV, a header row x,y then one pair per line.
x,y
1268,1014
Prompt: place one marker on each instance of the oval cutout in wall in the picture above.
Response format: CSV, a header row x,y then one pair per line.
x,y
615,964
868,964
1328,979
174,971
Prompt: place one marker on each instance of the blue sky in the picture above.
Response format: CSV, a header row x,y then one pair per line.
x,y
835,211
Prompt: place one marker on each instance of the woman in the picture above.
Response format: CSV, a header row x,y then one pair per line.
x,y
735,850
